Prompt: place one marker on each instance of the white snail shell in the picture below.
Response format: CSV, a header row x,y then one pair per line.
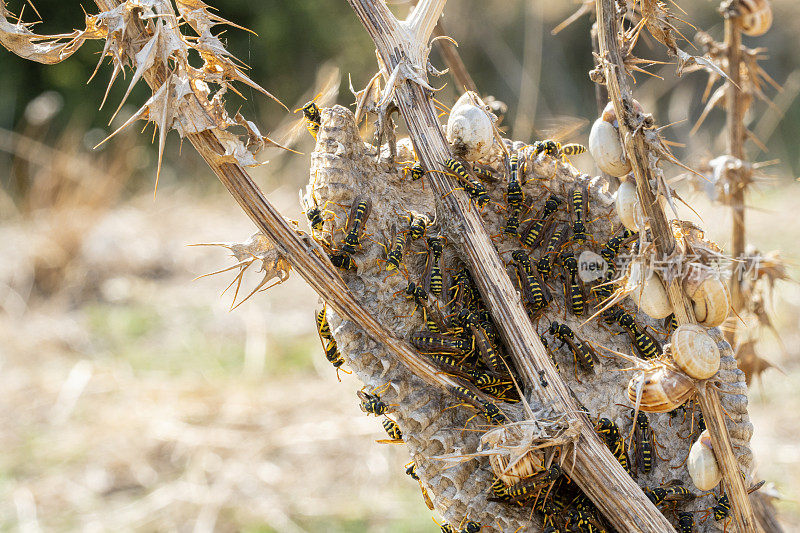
x,y
647,291
469,128
663,389
628,208
756,16
606,149
694,351
702,464
710,298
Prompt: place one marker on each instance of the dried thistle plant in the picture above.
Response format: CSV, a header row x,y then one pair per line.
x,y
145,36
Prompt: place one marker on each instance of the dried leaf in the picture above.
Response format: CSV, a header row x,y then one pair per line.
x,y
257,248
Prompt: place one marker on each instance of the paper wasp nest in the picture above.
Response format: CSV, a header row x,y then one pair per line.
x,y
343,167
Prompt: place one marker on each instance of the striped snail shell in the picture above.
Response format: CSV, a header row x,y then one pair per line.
x,y
647,291
702,464
469,128
710,297
694,351
756,16
662,389
523,467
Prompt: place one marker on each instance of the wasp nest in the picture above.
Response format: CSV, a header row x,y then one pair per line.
x,y
449,461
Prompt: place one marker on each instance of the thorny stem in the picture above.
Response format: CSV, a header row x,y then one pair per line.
x,y
313,266
735,108
636,147
596,471
452,59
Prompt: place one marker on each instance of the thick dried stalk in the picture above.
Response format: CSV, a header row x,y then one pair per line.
x,y
596,471
735,108
636,147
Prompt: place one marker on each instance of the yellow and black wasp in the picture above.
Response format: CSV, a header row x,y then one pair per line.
x,y
312,116
554,241
574,292
484,173
671,323
419,223
431,314
312,211
342,260
579,207
469,527
487,350
685,522
394,253
722,508
515,196
474,188
534,292
532,234
611,249
646,345
643,443
394,432
583,521
529,488
372,404
673,491
556,149
581,351
356,223
433,280
489,410
437,343
332,353
609,431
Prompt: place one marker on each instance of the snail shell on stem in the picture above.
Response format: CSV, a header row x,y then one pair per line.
x,y
469,128
694,351
662,389
710,297
756,16
606,149
647,291
702,464
628,208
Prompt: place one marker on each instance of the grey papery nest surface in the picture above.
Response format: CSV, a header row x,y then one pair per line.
x,y
343,167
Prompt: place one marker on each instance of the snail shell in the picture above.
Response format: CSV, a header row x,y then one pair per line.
x,y
694,351
628,208
522,468
469,128
663,389
648,292
710,298
756,16
702,464
607,150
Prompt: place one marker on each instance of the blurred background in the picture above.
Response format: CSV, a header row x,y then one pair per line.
x,y
134,399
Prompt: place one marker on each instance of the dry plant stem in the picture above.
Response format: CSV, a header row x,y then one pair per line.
x,y
630,123
596,471
315,269
735,107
